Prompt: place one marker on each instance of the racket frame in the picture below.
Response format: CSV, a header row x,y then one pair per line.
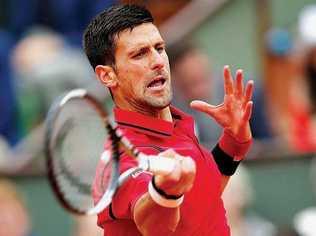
x,y
154,164
51,118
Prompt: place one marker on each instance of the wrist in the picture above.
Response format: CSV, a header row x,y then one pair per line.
x,y
225,163
162,198
232,147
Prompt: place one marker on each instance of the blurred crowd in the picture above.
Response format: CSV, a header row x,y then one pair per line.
x,y
290,72
285,93
41,57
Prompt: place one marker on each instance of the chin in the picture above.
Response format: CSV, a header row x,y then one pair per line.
x,y
159,103
159,106
161,100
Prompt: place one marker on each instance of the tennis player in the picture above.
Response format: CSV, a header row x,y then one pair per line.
x,y
128,55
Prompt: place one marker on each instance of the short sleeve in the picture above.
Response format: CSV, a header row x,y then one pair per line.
x,y
128,194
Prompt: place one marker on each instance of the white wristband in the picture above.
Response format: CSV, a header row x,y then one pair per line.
x,y
160,200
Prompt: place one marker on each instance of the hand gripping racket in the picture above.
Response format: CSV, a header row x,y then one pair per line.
x,y
77,126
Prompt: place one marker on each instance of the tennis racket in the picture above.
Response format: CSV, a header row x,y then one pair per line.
x,y
77,126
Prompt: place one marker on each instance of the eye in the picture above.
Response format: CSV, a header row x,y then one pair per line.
x,y
160,49
139,54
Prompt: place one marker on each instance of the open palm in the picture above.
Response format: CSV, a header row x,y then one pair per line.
x,y
235,111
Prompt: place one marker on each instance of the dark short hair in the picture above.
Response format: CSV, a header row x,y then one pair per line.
x,y
99,36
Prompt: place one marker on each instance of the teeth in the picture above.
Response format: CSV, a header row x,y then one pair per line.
x,y
156,83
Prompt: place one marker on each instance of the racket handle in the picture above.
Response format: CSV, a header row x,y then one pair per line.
x,y
160,165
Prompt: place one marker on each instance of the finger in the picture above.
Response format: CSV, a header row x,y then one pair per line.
x,y
249,91
188,173
228,81
168,153
174,182
203,107
167,181
239,84
248,111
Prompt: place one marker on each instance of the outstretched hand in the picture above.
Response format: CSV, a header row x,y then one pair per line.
x,y
235,111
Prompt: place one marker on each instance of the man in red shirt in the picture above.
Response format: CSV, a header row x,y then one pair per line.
x,y
128,55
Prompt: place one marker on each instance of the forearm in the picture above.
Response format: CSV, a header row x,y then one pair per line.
x,y
225,154
153,219
224,182
157,212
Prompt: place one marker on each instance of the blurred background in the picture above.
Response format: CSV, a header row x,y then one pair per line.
x,y
274,42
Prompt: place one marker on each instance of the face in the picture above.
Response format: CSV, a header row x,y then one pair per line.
x,y
192,76
142,70
13,214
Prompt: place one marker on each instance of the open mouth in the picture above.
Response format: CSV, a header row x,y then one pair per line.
x,y
157,83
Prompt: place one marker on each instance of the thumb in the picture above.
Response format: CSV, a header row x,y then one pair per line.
x,y
203,107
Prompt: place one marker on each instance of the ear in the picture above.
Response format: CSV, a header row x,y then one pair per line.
x,y
106,75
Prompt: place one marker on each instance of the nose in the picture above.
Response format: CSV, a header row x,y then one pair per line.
x,y
157,61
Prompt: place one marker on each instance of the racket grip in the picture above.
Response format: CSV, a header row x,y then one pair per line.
x,y
161,165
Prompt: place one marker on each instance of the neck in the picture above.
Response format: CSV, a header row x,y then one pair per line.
x,y
162,113
165,114
129,104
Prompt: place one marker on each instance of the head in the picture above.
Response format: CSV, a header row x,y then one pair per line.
x,y
310,75
278,42
191,72
307,37
128,55
14,217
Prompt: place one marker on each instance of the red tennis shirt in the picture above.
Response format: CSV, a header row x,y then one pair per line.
x,y
202,212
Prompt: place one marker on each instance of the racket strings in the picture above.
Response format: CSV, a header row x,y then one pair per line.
x,y
79,136
84,181
112,156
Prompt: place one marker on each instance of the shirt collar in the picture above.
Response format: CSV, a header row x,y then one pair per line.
x,y
147,124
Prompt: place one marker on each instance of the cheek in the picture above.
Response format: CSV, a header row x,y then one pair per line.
x,y
132,80
166,60
135,70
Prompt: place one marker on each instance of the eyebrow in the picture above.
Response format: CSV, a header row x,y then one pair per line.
x,y
137,48
161,43
140,47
